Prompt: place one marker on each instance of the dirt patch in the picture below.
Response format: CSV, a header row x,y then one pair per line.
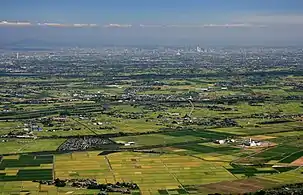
x,y
298,162
237,187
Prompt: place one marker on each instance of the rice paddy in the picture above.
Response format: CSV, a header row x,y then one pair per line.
x,y
26,168
152,172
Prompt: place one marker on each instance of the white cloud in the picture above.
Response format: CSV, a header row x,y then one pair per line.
x,y
81,25
151,26
51,24
6,23
118,26
66,25
85,25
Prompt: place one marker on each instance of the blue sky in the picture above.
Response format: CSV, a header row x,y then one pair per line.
x,y
195,20
134,11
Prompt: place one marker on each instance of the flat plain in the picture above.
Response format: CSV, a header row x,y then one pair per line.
x,y
172,124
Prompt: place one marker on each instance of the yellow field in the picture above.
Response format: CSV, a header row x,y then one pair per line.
x,y
28,187
82,165
11,157
294,176
150,171
10,172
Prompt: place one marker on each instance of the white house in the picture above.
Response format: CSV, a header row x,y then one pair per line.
x,y
220,141
129,143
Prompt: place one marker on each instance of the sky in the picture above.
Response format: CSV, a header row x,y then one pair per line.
x,y
218,22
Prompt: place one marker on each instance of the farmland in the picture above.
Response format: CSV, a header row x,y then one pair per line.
x,y
252,184
195,123
151,172
26,168
22,146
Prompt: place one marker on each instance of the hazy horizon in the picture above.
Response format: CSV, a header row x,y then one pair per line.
x,y
171,22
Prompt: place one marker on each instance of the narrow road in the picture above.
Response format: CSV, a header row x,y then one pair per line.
x,y
84,125
173,175
110,168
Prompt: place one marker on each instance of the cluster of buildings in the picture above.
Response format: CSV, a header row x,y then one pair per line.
x,y
224,141
247,143
252,143
32,127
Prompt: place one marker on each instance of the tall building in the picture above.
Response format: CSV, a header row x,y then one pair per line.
x,y
199,50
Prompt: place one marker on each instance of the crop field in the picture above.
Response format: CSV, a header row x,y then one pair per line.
x,y
21,146
283,157
213,152
288,134
152,172
261,129
82,165
26,168
156,139
6,127
199,148
203,134
29,187
294,156
199,121
136,125
284,153
294,176
252,184
251,171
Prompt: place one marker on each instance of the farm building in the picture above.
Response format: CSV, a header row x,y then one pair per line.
x,y
220,141
252,143
223,141
129,143
60,119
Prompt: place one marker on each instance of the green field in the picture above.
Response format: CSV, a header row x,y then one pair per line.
x,y
156,139
22,146
26,168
